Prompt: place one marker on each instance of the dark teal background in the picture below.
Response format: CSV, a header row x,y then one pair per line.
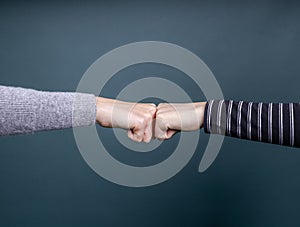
x,y
252,47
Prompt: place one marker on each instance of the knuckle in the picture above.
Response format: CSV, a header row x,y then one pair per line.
x,y
147,140
141,122
148,116
159,111
160,117
151,105
138,123
160,105
153,110
137,140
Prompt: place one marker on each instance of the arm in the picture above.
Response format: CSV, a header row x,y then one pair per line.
x,y
26,111
264,122
277,123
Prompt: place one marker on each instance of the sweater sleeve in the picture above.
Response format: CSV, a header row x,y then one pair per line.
x,y
26,110
277,123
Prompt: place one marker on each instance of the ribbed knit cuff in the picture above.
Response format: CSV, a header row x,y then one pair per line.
x,y
84,110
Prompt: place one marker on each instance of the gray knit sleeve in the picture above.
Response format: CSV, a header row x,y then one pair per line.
x,y
26,110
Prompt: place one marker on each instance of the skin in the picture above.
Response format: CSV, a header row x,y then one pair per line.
x,y
174,117
144,121
136,118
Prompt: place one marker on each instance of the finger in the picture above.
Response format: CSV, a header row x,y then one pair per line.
x,y
150,125
170,133
148,104
138,134
153,128
160,129
133,136
130,134
148,132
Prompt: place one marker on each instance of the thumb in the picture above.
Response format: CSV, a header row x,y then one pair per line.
x,y
170,133
160,129
135,135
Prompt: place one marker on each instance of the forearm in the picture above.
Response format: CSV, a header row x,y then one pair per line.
x,y
27,110
277,123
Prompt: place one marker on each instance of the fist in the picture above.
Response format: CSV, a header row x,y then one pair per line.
x,y
136,118
171,118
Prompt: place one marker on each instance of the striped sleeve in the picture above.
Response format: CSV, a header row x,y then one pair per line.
x,y
277,123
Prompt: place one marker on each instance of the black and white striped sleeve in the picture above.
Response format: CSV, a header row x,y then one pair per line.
x,y
277,123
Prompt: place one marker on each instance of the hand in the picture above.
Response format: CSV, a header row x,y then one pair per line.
x,y
171,118
137,118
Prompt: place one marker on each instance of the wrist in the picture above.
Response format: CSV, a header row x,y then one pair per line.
x,y
200,112
104,111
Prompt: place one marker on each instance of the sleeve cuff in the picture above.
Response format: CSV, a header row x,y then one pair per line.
x,y
84,110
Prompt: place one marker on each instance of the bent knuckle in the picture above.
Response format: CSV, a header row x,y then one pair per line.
x,y
148,116
160,105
